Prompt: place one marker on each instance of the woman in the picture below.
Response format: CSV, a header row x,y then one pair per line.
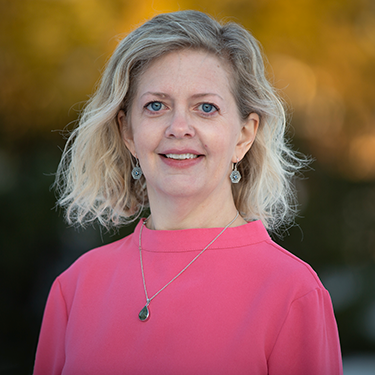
x,y
185,122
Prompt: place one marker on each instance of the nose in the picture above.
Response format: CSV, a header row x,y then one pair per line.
x,y
180,127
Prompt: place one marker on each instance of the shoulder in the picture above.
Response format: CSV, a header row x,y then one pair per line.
x,y
289,271
272,263
98,262
289,263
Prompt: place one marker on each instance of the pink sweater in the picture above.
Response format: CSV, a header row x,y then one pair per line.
x,y
246,306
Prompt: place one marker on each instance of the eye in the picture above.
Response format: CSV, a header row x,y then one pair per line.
x,y
207,108
154,106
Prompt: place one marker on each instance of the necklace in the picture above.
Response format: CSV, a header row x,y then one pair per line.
x,y
145,312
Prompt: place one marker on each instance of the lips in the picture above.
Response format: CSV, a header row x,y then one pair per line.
x,y
181,159
180,153
181,156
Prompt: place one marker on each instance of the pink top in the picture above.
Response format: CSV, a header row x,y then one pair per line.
x,y
246,306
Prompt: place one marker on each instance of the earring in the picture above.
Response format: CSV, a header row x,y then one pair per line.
x,y
235,176
137,171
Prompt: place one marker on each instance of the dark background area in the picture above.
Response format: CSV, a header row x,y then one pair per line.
x,y
322,57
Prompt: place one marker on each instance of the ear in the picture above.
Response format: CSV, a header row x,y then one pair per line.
x,y
246,137
126,133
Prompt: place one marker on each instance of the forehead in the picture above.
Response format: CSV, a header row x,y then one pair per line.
x,y
184,69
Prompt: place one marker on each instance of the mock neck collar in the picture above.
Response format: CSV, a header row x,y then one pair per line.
x,y
186,240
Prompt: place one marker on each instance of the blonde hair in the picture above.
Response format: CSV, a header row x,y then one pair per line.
x,y
94,180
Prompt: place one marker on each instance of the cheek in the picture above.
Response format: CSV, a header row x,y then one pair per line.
x,y
146,143
223,143
140,134
221,152
141,144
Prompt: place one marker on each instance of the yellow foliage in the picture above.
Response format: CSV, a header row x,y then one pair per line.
x,y
322,54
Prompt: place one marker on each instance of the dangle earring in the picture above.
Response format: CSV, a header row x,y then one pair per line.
x,y
235,176
137,171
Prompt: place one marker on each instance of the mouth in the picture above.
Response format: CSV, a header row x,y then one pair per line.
x,y
181,156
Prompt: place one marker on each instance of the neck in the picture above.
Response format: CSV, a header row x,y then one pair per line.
x,y
172,214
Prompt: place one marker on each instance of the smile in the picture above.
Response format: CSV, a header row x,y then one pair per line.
x,y
181,156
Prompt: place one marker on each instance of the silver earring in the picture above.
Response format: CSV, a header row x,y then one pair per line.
x,y
137,171
235,176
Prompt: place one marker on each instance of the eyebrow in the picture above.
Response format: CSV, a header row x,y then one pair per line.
x,y
159,94
206,94
195,96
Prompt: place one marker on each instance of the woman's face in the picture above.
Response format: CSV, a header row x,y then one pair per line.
x,y
185,127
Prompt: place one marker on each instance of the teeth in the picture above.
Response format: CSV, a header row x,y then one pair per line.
x,y
181,156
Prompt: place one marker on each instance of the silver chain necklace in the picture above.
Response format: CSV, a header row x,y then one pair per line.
x,y
145,312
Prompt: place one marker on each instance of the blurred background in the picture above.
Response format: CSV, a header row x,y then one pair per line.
x,y
321,56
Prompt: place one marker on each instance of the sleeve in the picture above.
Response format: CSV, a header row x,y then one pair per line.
x,y
308,342
50,355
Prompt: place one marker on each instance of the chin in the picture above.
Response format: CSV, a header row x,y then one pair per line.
x,y
182,191
179,188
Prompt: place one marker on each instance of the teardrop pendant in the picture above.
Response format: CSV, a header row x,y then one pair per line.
x,y
144,314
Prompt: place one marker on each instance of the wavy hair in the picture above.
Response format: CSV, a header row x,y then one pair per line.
x,y
93,179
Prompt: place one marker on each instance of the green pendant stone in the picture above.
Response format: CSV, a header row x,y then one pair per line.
x,y
144,314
